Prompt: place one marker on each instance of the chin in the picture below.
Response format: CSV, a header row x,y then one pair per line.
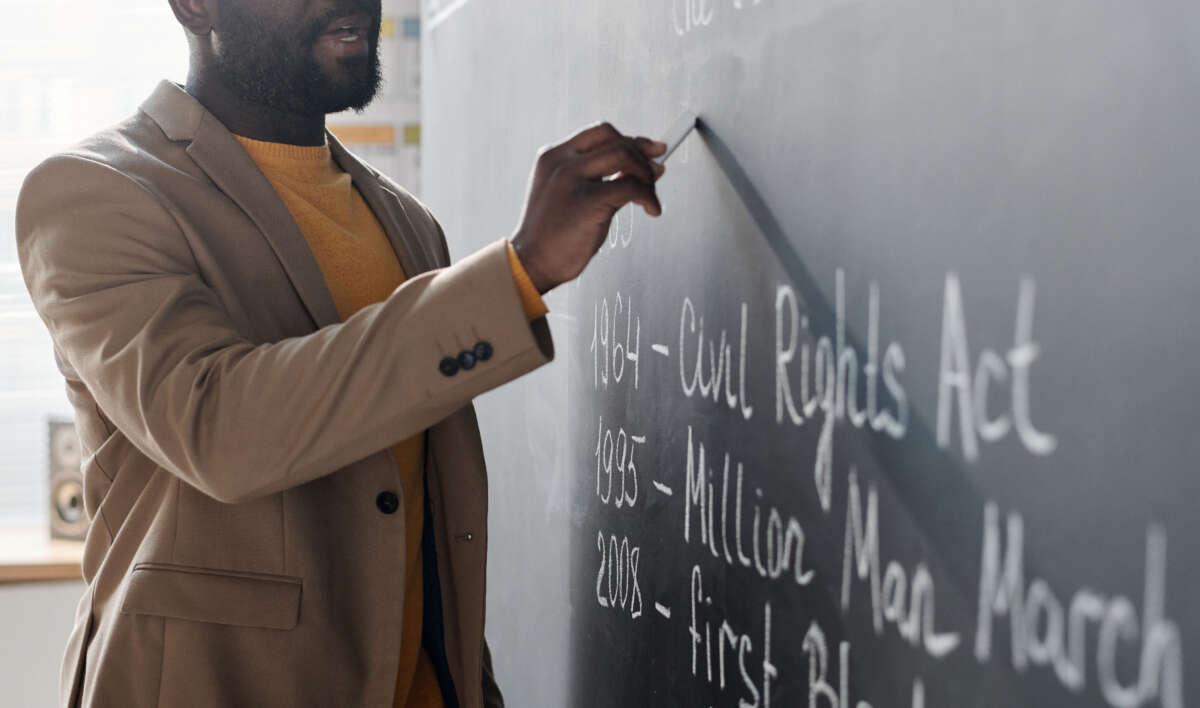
x,y
356,100
356,86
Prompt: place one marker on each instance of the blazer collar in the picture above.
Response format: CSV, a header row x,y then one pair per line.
x,y
221,156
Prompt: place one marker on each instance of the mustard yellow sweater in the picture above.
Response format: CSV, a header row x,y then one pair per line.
x,y
360,268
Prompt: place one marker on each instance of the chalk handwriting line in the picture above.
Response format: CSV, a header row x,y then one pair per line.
x,y
661,349
663,488
919,479
914,469
663,610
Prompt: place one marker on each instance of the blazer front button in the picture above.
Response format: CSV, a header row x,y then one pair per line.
x,y
466,360
387,502
483,351
449,366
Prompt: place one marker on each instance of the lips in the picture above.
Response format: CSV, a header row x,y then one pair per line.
x,y
346,36
348,29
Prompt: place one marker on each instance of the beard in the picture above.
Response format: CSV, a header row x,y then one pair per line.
x,y
265,65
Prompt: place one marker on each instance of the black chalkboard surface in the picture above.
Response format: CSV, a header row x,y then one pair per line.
x,y
895,405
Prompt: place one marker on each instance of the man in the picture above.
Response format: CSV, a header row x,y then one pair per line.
x,y
271,362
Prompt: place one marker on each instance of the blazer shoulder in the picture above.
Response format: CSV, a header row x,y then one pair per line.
x,y
97,198
135,149
128,145
111,161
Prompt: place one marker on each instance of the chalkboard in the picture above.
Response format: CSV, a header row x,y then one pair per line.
x,y
895,405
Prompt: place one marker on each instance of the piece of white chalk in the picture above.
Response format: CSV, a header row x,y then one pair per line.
x,y
676,133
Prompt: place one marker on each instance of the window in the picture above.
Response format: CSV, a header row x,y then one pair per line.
x,y
68,69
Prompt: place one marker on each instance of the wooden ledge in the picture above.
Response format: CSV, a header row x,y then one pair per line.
x,y
30,556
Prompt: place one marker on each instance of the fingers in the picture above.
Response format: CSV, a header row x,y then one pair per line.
x,y
592,137
624,157
601,151
623,190
652,148
595,136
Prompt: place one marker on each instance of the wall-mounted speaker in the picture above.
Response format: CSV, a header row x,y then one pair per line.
x,y
67,517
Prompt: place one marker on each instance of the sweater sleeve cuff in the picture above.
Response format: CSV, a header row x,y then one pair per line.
x,y
531,300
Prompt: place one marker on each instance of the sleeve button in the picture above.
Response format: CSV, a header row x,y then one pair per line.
x,y
483,351
466,360
449,366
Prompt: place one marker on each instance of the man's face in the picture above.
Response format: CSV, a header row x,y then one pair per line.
x,y
309,57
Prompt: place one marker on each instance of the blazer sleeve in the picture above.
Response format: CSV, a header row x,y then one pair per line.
x,y
113,277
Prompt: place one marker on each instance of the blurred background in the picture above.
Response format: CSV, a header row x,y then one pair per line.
x,y
68,69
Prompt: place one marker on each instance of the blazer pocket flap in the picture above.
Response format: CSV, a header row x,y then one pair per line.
x,y
215,596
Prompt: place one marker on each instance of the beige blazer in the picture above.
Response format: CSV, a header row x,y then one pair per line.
x,y
236,431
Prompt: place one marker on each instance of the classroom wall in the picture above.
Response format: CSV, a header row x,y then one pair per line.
x,y
35,620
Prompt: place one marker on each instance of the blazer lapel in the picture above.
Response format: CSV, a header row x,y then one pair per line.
x,y
415,256
220,155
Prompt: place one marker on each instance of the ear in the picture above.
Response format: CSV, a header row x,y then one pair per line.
x,y
196,16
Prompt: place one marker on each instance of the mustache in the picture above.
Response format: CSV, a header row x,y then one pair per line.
x,y
314,28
